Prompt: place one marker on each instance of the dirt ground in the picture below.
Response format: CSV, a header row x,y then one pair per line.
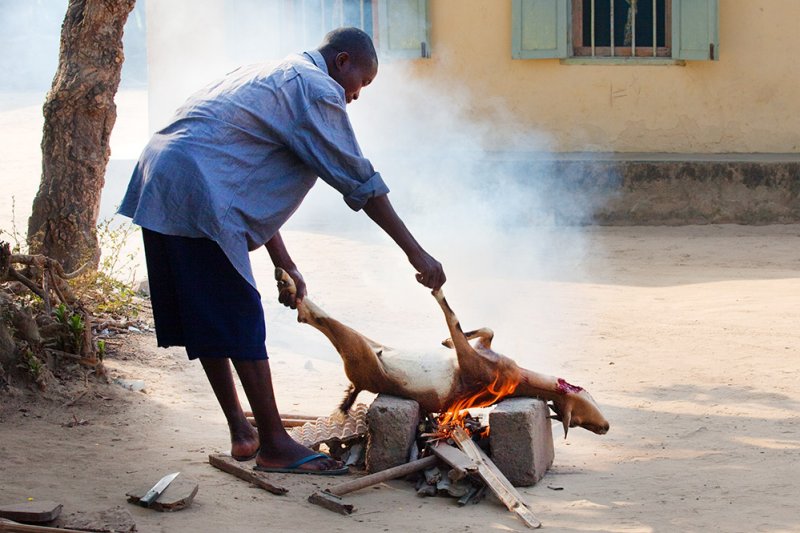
x,y
687,338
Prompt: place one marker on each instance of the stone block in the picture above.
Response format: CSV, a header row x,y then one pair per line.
x,y
392,428
521,440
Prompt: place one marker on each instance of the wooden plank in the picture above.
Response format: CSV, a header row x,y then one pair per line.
x,y
35,511
331,502
228,464
458,460
495,479
178,495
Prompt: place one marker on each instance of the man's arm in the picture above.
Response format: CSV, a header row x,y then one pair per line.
x,y
429,270
280,258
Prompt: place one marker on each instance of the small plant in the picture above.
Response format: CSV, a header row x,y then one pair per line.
x,y
115,263
74,324
76,327
101,349
111,287
39,373
62,314
32,364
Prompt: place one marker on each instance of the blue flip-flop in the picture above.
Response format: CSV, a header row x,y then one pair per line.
x,y
294,468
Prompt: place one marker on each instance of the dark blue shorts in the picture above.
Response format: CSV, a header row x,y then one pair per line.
x,y
200,301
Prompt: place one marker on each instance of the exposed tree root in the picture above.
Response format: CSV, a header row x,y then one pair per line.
x,y
43,317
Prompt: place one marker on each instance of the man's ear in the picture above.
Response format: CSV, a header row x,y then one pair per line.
x,y
341,59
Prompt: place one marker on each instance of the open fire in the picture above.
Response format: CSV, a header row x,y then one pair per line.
x,y
456,414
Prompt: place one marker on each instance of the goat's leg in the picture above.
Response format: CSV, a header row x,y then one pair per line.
x,y
475,366
310,313
359,354
485,336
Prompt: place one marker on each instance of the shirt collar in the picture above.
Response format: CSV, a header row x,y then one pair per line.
x,y
318,60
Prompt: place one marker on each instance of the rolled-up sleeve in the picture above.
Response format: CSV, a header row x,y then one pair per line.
x,y
324,139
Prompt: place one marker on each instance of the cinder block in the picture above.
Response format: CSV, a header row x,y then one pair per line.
x,y
392,427
521,440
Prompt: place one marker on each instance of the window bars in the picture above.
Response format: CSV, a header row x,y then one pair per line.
x,y
616,25
304,22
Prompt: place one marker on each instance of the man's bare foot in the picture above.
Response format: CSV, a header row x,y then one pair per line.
x,y
244,442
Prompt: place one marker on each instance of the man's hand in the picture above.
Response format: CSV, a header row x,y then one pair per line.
x,y
280,258
429,271
293,298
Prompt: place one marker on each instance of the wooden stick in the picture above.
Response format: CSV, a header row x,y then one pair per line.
x,y
331,498
79,358
7,526
492,476
228,464
292,416
287,422
383,475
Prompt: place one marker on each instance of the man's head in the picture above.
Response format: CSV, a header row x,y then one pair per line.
x,y
351,59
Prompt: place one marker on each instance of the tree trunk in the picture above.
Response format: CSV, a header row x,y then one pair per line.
x,y
79,114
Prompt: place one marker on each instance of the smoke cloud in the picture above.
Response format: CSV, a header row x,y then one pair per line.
x,y
477,189
479,193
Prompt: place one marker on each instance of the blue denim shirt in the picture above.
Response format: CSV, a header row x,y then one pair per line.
x,y
241,154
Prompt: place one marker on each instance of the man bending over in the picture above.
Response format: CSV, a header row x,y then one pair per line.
x,y
219,181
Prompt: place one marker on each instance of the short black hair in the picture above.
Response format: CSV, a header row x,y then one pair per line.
x,y
351,40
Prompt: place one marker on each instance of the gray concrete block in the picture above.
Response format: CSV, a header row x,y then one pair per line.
x,y
521,440
392,428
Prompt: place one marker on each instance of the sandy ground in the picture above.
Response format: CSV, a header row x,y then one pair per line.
x,y
687,338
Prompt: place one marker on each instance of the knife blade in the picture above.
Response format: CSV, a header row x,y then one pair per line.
x,y
153,494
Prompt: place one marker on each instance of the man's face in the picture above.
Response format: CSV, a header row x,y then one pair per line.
x,y
353,74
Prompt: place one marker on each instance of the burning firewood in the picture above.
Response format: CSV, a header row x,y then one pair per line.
x,y
469,375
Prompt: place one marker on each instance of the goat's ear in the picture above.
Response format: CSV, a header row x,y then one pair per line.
x,y
449,343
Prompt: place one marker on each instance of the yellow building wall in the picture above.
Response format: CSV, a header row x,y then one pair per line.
x,y
745,102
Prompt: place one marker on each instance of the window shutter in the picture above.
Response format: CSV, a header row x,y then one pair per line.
x,y
539,29
403,29
695,29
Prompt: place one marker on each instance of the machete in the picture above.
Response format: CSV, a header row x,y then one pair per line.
x,y
153,494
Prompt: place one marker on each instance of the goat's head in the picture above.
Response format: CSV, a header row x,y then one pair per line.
x,y
576,408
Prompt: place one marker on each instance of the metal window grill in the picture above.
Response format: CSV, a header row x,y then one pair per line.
x,y
313,18
301,24
621,28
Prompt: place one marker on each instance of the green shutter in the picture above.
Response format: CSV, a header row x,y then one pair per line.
x,y
403,28
695,29
539,29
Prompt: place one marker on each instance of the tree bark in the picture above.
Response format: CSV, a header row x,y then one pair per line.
x,y
79,114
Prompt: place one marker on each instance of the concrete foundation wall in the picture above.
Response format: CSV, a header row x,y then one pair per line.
x,y
669,189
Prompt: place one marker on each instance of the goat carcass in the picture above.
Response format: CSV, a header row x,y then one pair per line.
x,y
438,380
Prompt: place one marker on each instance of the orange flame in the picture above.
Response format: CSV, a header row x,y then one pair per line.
x,y
456,413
